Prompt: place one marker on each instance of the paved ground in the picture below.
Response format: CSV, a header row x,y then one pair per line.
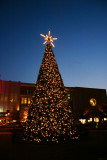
x,y
93,148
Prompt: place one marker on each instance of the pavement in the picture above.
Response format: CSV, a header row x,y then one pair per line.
x,y
94,147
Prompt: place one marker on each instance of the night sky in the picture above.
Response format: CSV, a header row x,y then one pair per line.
x,y
81,48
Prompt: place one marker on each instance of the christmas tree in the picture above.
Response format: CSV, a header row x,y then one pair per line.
x,y
49,118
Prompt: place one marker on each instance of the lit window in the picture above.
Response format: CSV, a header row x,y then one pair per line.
x,y
1,109
90,120
28,100
83,121
14,120
18,108
105,119
96,119
69,96
23,100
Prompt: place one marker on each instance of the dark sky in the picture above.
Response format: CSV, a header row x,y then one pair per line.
x,y
81,48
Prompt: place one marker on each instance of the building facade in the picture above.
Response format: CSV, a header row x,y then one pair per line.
x,y
26,92
9,100
88,103
15,99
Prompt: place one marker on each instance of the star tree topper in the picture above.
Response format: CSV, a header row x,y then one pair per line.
x,y
48,38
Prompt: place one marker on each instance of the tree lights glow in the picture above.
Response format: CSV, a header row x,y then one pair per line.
x,y
49,118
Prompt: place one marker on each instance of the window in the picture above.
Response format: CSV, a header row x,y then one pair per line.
x,y
24,92
30,92
28,100
90,120
105,119
69,96
1,109
23,100
83,121
96,119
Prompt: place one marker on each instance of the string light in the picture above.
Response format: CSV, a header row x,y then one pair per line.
x,y
48,39
49,118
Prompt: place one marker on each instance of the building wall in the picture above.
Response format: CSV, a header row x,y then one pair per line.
x,y
78,97
9,97
16,97
82,97
26,92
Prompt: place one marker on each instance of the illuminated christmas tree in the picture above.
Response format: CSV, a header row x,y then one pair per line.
x,y
49,118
